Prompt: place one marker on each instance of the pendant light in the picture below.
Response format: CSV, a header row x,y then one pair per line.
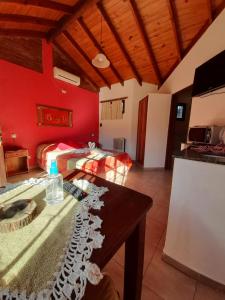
x,y
100,60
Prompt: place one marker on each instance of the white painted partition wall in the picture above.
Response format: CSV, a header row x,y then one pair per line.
x,y
195,232
157,130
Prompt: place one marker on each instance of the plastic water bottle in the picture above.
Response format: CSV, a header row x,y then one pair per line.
x,y
54,190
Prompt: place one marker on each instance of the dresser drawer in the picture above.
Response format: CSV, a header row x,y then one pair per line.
x,y
16,162
17,153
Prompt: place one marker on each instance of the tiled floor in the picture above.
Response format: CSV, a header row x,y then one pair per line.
x,y
161,281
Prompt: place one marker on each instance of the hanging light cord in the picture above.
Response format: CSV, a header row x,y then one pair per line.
x,y
101,32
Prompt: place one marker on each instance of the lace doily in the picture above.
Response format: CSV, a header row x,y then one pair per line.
x,y
75,269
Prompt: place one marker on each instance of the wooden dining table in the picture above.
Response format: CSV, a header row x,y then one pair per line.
x,y
124,217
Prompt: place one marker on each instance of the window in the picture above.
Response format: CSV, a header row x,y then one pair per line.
x,y
112,109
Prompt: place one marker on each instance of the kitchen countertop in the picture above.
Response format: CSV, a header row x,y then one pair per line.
x,y
204,157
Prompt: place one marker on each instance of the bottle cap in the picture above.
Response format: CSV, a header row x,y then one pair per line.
x,y
53,168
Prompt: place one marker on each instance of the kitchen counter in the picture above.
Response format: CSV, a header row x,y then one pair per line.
x,y
195,239
204,157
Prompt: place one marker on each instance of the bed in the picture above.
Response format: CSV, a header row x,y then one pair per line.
x,y
110,165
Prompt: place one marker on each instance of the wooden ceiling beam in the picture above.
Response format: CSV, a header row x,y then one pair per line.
x,y
197,36
76,11
85,56
22,32
175,25
145,38
194,40
219,9
42,3
27,19
80,70
100,49
119,41
210,10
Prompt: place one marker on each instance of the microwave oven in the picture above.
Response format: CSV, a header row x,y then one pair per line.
x,y
204,134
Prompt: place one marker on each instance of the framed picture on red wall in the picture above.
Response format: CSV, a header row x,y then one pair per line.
x,y
54,116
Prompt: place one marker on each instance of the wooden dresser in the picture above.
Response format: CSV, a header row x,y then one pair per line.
x,y
16,161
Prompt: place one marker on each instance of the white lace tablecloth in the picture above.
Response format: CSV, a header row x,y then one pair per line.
x,y
73,269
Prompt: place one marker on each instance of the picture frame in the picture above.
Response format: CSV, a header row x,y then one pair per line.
x,y
180,111
54,116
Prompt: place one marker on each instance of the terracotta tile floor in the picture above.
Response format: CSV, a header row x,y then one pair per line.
x,y
161,281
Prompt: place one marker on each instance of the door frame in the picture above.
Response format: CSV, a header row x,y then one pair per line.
x,y
142,118
171,128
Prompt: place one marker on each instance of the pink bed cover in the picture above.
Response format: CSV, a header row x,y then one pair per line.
x,y
93,161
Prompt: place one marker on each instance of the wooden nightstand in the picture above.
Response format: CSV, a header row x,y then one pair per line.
x,y
16,162
3,180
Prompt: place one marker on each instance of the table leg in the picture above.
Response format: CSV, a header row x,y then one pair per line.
x,y
134,260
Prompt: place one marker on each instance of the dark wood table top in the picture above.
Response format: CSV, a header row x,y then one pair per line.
x,y
122,211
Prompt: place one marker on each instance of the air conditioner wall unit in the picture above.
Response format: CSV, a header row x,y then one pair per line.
x,y
66,76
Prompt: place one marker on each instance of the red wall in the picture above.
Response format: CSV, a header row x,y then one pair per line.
x,y
21,89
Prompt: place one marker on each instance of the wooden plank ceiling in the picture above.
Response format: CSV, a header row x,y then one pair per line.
x,y
143,39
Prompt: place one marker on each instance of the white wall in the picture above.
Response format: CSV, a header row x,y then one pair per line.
x,y
157,130
209,110
127,127
195,231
